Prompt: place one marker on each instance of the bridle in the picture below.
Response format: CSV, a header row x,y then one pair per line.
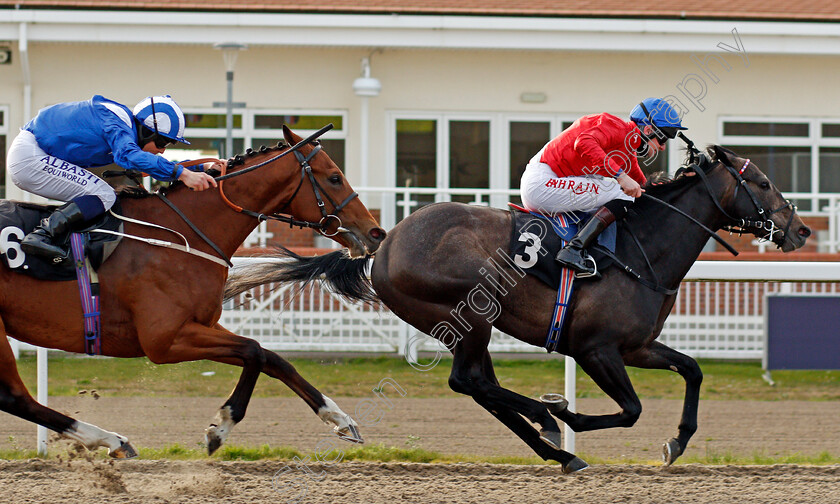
x,y
699,163
761,222
328,220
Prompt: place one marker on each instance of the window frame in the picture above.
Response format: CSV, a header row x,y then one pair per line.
x,y
814,141
499,152
248,131
4,131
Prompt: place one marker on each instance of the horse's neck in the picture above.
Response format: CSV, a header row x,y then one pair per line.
x,y
672,242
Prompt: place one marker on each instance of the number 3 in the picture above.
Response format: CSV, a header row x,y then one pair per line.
x,y
7,245
530,250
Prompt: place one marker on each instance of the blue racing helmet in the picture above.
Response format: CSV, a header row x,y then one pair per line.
x,y
658,113
161,115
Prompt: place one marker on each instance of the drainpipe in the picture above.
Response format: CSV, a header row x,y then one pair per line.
x,y
23,48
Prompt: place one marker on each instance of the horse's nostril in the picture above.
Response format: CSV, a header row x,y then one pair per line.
x,y
378,234
804,231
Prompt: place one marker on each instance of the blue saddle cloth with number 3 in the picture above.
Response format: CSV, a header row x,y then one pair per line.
x,y
535,240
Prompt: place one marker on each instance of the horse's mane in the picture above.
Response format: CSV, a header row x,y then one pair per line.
x,y
132,192
240,159
660,184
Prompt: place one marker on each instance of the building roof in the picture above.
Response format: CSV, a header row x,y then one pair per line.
x,y
767,10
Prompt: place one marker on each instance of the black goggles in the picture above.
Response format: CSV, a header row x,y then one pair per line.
x,y
665,133
161,142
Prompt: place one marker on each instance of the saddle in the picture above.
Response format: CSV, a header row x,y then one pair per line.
x,y
17,219
536,238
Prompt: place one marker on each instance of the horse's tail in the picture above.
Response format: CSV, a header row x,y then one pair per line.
x,y
346,276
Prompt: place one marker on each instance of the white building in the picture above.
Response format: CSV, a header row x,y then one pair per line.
x,y
469,90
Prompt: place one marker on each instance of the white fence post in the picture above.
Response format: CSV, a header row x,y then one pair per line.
x,y
571,392
42,397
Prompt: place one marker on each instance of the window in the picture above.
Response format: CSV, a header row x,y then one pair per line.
x,y
525,140
207,132
469,157
772,129
296,122
801,156
416,161
788,167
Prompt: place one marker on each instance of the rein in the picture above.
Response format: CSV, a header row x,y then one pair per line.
x,y
705,228
195,228
327,221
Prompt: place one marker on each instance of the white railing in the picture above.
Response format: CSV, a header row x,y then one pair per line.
x,y
719,313
396,203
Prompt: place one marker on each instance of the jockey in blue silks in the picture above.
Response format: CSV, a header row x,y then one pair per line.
x,y
52,152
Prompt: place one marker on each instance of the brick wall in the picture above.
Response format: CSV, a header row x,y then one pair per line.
x,y
297,239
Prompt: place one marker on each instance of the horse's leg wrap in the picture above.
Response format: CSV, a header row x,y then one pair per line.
x,y
345,427
92,437
217,433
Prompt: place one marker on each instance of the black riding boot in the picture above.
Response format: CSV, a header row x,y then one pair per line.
x,y
47,239
571,256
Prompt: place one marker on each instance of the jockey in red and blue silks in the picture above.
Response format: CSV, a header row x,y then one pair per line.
x,y
592,166
52,152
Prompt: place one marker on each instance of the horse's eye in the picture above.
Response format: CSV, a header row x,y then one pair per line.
x,y
764,185
335,179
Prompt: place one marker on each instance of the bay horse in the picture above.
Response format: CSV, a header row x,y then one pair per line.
x,y
165,304
430,263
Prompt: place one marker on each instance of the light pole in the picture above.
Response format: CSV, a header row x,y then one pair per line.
x,y
365,87
230,50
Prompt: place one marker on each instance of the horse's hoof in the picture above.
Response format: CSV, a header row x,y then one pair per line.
x,y
671,451
552,438
213,439
125,451
350,433
555,403
574,465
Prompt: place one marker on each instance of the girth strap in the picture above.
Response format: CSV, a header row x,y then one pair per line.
x,y
88,293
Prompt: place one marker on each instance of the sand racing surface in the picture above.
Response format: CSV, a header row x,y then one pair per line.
x,y
449,425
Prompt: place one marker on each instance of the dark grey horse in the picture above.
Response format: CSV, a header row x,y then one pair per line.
x,y
432,262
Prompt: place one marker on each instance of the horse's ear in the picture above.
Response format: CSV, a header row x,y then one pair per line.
x,y
725,156
290,137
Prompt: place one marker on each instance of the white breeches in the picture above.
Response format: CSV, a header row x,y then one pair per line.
x,y
35,171
544,192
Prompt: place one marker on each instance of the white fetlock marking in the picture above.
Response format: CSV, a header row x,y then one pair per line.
x,y
222,424
92,437
331,413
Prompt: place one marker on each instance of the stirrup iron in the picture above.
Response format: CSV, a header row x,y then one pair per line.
x,y
584,274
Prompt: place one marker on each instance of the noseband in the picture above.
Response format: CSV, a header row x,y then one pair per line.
x,y
322,226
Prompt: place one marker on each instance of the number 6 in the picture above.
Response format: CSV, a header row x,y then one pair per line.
x,y
7,245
